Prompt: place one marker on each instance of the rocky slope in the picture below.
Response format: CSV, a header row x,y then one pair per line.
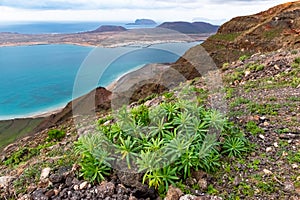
x,y
262,94
267,31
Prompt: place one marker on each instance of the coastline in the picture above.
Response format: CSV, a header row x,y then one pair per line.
x,y
35,115
107,39
110,86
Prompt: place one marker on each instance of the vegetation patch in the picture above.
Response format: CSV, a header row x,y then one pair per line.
x,y
165,143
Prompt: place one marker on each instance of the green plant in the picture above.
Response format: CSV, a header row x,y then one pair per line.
x,y
140,115
294,52
165,143
253,128
244,57
128,149
297,60
234,147
55,135
211,190
95,159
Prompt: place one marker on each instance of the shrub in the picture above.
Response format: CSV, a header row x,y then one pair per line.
x,y
56,135
165,142
243,58
253,128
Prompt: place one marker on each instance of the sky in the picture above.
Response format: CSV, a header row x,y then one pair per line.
x,y
214,11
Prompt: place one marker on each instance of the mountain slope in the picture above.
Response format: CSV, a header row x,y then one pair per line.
x,y
276,28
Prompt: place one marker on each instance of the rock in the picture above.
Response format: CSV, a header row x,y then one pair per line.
x,y
276,145
191,181
236,181
106,189
69,181
188,197
132,197
50,193
25,197
266,124
295,166
56,178
276,67
267,172
83,185
6,180
39,195
284,154
202,184
76,187
269,149
173,193
289,187
261,137
45,174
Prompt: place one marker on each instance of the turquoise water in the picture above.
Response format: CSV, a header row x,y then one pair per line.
x,y
36,79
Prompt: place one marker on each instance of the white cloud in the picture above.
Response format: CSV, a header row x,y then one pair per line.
x,y
128,10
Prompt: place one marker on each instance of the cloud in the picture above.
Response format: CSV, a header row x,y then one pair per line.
x,y
216,11
96,4
116,4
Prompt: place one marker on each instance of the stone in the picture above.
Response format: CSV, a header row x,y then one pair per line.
x,y
50,193
284,154
295,166
269,149
267,172
83,185
276,145
39,195
289,187
266,124
56,178
276,67
6,180
106,189
25,197
45,173
261,137
202,184
173,193
76,187
132,197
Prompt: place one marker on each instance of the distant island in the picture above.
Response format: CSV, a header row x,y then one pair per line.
x,y
190,28
140,22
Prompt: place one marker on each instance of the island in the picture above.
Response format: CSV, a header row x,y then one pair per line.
x,y
140,22
190,28
108,28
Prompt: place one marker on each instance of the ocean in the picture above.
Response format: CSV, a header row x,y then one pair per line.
x,y
59,27
37,79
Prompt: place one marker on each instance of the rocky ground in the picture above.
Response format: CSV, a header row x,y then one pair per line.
x,y
262,93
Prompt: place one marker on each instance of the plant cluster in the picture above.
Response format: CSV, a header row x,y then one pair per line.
x,y
56,135
165,143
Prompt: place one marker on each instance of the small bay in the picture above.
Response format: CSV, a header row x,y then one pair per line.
x,y
36,79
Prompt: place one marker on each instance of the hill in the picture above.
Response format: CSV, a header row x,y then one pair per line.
x,y
108,28
266,31
190,28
